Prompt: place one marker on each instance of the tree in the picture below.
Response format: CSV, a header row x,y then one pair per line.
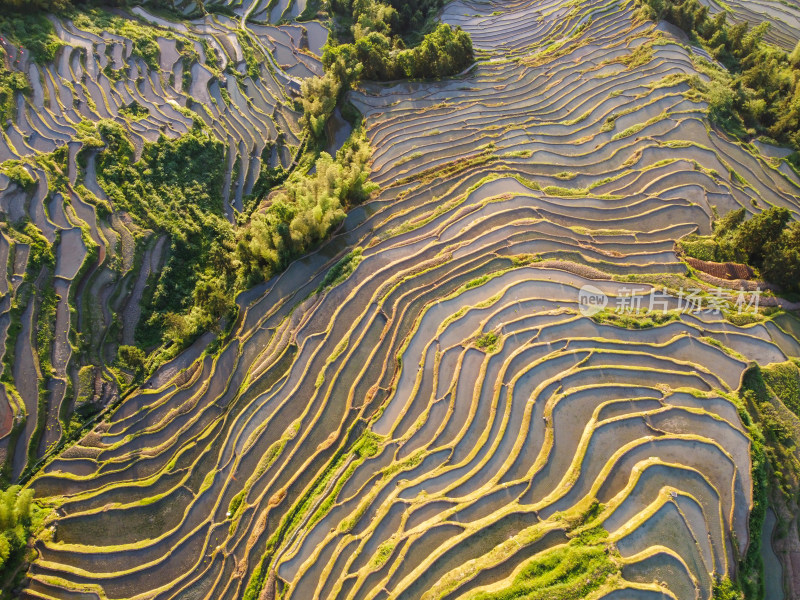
x,y
781,263
757,237
445,51
303,214
132,359
16,512
769,241
319,98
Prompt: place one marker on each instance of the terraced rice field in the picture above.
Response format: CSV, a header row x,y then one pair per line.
x,y
447,415
103,258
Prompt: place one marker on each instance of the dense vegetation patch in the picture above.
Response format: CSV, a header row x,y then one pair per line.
x,y
725,589
758,93
371,46
770,391
768,242
784,380
303,214
17,174
32,30
634,320
20,518
342,269
488,341
11,82
175,188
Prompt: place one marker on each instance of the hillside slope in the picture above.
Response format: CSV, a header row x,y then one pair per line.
x,y
423,408
82,265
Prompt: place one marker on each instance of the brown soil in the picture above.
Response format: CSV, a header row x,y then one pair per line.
x,y
268,592
581,270
728,270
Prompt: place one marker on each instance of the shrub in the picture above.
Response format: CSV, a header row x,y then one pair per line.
x,y
18,175
132,359
563,573
41,252
134,111
725,589
487,341
701,247
342,269
11,82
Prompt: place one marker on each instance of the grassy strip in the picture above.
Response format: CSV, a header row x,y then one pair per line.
x,y
366,447
586,564
45,328
365,444
565,573
342,269
12,82
645,320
